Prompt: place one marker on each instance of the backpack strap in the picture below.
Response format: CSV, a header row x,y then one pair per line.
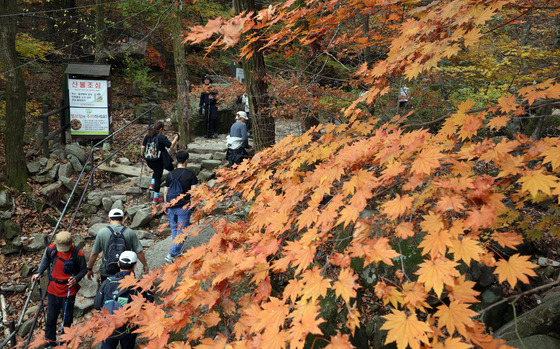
x,y
120,232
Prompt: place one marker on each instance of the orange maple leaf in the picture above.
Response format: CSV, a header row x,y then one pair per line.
x,y
388,294
404,230
437,272
340,341
435,243
465,249
552,156
463,291
346,285
427,160
508,104
398,206
508,239
452,343
455,316
432,223
405,330
535,181
450,203
415,296
516,268
315,285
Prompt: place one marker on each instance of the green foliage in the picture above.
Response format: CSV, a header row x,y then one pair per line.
x,y
29,47
137,73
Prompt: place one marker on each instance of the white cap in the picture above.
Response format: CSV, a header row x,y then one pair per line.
x,y
128,257
241,115
116,213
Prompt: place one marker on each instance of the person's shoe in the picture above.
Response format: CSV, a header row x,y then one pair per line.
x,y
169,259
151,187
157,200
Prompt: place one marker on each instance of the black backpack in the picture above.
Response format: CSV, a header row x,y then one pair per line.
x,y
117,245
175,187
152,151
69,265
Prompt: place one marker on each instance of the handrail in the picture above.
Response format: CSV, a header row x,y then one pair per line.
x,y
63,212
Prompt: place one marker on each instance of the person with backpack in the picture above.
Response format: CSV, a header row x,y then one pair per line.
x,y
208,107
176,192
237,140
68,267
154,150
112,241
111,297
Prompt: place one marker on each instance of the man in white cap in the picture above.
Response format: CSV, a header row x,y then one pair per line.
x,y
68,267
237,141
111,297
112,241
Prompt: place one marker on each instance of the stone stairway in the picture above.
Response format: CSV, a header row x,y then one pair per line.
x,y
206,155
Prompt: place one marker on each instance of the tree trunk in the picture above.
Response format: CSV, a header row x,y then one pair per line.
x,y
254,69
16,96
100,49
183,83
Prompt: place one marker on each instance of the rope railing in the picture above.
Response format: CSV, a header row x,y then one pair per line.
x,y
63,213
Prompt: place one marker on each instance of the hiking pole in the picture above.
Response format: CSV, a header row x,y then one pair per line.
x,y
65,308
141,170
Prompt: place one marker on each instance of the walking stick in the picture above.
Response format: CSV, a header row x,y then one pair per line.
x,y
65,308
141,170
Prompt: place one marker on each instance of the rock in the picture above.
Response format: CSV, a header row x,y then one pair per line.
x,y
194,168
118,197
26,270
43,179
43,281
146,243
133,191
544,262
5,200
88,288
33,167
76,165
53,172
5,215
69,183
206,148
76,150
58,153
211,164
11,229
542,319
37,244
154,115
131,211
96,219
106,147
89,209
107,203
118,204
94,202
211,183
65,170
482,274
79,241
25,327
99,194
94,229
83,304
54,186
535,342
142,217
220,155
143,182
196,157
204,176
124,161
10,249
142,234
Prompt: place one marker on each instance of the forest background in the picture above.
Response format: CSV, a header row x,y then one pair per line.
x,y
381,207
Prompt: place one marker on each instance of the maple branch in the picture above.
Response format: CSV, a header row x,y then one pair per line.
x,y
508,22
542,287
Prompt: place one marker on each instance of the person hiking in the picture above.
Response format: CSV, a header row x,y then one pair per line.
x,y
112,241
154,150
237,141
111,297
207,107
179,181
68,267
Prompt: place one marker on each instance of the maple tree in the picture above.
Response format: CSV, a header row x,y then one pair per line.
x,y
354,193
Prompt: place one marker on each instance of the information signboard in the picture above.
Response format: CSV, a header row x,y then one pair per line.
x,y
88,93
89,121
89,112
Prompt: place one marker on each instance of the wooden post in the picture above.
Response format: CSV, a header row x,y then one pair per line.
x,y
45,132
62,123
12,327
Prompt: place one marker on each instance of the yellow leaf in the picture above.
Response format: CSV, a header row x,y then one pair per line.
x,y
552,156
465,249
455,316
346,285
516,268
427,160
405,330
432,223
398,206
437,272
535,181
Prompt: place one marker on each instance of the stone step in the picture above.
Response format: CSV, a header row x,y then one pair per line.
x,y
197,157
206,148
211,164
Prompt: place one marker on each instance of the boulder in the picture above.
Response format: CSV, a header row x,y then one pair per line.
x,y
210,165
542,320
69,183
94,229
142,234
33,167
37,243
26,270
118,197
83,304
157,113
196,157
10,248
107,203
146,243
54,186
53,172
65,170
5,200
43,179
142,217
143,182
219,155
133,191
124,161
535,342
11,229
118,204
35,295
204,176
88,288
131,211
94,202
76,150
76,164
99,194
89,209
25,327
194,168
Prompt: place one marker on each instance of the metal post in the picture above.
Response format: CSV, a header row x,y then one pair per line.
x,y
62,123
12,326
45,132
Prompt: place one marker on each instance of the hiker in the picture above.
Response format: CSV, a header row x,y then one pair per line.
x,y
237,141
68,267
112,298
177,183
245,102
403,97
154,150
113,240
207,107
